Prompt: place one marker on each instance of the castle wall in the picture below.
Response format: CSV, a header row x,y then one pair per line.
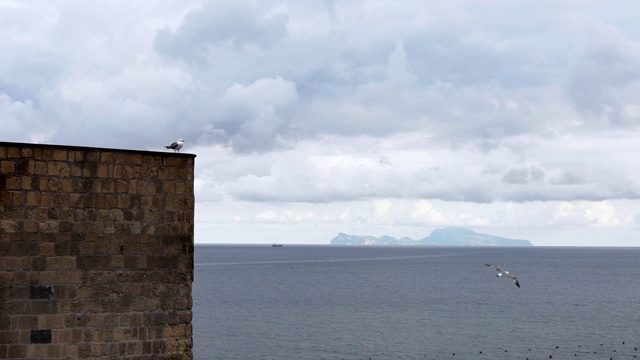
x,y
96,253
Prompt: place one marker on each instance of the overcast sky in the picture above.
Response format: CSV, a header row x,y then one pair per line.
x,y
309,118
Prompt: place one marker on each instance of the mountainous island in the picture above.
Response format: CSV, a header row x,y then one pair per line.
x,y
449,236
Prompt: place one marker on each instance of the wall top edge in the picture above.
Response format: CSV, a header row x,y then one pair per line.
x,y
89,148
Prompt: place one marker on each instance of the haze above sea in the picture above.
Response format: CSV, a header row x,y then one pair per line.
x,y
400,302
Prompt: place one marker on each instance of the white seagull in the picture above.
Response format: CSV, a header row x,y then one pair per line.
x,y
176,146
502,272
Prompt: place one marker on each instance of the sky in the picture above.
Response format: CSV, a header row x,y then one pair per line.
x,y
369,117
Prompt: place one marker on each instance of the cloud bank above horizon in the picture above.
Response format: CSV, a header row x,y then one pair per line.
x,y
321,116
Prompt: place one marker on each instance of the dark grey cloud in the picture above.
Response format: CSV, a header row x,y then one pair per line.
x,y
524,175
225,25
605,78
456,80
24,75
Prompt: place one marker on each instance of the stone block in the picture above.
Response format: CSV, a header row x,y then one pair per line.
x,y
71,350
12,182
100,201
49,227
39,264
9,337
39,307
84,350
127,172
107,157
79,156
60,155
33,198
6,167
47,249
69,277
66,214
107,186
18,198
54,263
51,321
66,185
41,168
92,156
112,201
124,201
24,166
52,169
85,262
117,262
54,351
121,158
45,200
17,352
43,184
65,226
29,226
13,152
25,248
26,152
121,186
9,225
76,200
103,171
136,159
76,170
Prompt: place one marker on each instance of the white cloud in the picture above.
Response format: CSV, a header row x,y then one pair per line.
x,y
285,216
424,212
381,210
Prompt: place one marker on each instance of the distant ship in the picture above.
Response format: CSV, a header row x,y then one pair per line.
x,y
276,245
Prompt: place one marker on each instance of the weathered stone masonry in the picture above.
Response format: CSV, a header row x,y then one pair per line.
x,y
96,253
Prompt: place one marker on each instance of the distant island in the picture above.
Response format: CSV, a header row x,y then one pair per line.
x,y
453,236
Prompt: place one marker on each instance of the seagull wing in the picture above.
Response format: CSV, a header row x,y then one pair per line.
x,y
497,267
172,146
512,277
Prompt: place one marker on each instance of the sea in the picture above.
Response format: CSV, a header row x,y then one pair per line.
x,y
415,302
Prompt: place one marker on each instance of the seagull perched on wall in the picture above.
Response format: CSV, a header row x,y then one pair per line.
x,y
502,272
176,146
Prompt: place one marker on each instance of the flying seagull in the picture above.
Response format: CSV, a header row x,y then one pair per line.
x,y
176,146
502,272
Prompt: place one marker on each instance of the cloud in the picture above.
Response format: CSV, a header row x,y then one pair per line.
x,y
606,76
254,116
415,168
20,119
218,26
284,216
424,212
448,112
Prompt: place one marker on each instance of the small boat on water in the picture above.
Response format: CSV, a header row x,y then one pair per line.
x,y
276,245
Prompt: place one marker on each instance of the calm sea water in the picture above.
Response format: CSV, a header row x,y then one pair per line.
x,y
330,302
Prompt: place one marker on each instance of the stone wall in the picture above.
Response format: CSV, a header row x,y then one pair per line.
x,y
96,253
